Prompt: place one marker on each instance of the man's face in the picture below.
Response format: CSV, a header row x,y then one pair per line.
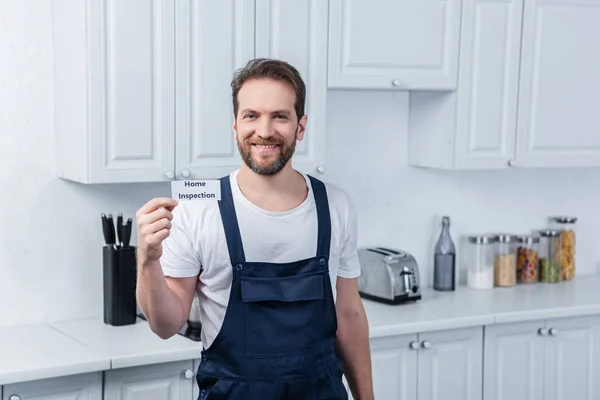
x,y
266,125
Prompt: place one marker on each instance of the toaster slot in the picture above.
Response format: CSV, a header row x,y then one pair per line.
x,y
388,250
378,252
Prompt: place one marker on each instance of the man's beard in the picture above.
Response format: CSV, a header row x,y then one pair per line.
x,y
285,154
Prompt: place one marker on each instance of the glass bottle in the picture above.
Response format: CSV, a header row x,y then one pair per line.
x,y
444,264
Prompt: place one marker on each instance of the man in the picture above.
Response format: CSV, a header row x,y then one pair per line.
x,y
274,262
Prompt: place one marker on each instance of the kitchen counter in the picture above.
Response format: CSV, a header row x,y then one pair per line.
x,y
471,307
40,351
64,348
130,345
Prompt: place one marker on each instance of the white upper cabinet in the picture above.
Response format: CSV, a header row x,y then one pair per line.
x,y
296,32
394,44
559,121
214,39
114,85
473,127
527,94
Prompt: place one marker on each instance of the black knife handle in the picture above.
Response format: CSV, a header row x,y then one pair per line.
x,y
127,232
105,229
111,228
120,229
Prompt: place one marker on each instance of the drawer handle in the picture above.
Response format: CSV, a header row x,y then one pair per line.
x,y
426,344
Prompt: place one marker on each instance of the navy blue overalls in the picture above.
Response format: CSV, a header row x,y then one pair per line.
x,y
277,340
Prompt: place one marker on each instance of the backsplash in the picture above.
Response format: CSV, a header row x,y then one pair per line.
x,y
50,243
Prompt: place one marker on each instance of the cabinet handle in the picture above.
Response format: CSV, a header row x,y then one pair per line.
x,y
170,175
398,83
414,345
188,374
553,332
426,344
185,173
543,331
14,397
321,169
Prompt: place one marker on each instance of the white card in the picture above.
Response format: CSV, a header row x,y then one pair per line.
x,y
196,190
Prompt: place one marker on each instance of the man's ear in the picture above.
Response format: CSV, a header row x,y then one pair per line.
x,y
301,127
234,126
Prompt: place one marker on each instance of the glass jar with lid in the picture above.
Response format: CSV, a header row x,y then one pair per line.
x,y
479,256
550,256
567,228
527,258
505,261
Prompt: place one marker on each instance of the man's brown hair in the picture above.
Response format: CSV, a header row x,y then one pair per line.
x,y
264,68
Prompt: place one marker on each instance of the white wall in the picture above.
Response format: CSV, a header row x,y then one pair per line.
x,y
50,239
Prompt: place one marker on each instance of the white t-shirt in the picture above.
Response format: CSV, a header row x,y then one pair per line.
x,y
197,244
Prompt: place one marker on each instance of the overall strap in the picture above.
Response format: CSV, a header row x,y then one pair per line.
x,y
323,216
230,223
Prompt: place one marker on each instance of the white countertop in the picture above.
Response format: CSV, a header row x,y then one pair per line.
x,y
39,351
130,345
467,307
65,348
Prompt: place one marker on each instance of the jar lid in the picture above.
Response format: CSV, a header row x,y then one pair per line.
x,y
564,219
549,233
505,238
528,239
482,239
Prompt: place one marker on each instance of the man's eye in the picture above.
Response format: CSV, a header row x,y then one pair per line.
x,y
282,116
249,116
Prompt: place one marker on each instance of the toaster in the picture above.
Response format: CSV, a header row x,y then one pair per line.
x,y
388,276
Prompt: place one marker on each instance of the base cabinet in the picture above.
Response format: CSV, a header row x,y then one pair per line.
x,y
555,359
169,381
73,387
428,366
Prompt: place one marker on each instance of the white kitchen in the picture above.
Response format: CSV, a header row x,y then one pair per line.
x,y
480,113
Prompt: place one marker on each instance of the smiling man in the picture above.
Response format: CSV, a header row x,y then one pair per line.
x,y
274,262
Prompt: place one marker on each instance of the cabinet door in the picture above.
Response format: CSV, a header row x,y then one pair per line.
x,y
489,79
214,38
296,32
559,122
450,364
131,84
514,362
168,381
473,127
573,359
394,366
382,44
72,387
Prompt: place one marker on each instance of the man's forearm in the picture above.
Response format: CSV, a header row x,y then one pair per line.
x,y
353,343
157,301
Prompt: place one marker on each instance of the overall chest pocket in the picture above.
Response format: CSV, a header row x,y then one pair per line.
x,y
283,316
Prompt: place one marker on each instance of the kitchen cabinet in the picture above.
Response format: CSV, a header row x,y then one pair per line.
x,y
296,32
143,88
474,126
81,387
167,381
559,90
114,67
552,359
402,45
214,38
428,365
526,90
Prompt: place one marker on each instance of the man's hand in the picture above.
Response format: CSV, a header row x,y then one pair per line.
x,y
153,226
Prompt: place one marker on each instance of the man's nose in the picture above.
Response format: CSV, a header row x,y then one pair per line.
x,y
265,130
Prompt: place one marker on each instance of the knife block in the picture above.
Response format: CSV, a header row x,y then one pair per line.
x,y
120,279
